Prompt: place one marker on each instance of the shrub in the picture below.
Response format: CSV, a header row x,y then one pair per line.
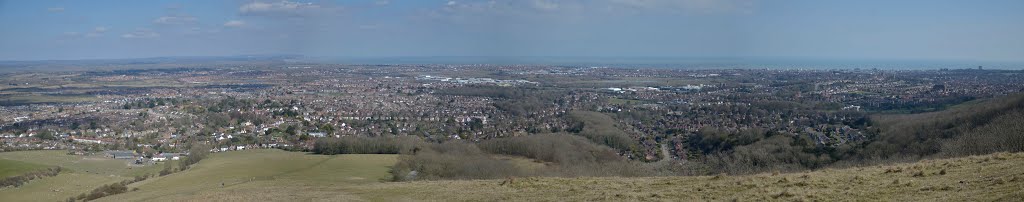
x,y
106,190
196,153
452,160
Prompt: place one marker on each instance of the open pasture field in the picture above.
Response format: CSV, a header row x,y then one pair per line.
x,y
266,175
81,174
12,168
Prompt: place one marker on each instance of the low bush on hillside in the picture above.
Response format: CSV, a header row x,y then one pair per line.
x,y
105,190
196,153
110,189
452,160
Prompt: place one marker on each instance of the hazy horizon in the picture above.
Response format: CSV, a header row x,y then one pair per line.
x,y
862,30
617,62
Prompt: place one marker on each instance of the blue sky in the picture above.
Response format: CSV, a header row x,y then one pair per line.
x,y
899,30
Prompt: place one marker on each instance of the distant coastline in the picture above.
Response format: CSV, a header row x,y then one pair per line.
x,y
616,62
680,62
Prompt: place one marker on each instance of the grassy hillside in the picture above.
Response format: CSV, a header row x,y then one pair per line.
x,y
86,164
980,178
272,175
12,168
262,175
81,174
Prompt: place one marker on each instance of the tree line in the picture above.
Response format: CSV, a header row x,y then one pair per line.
x,y
362,145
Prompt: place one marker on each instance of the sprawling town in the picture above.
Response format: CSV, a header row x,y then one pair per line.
x,y
154,113
511,100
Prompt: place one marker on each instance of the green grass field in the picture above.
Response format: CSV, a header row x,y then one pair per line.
x,y
97,165
81,175
262,175
12,168
272,175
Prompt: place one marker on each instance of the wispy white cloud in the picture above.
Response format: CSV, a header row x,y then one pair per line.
x,y
97,32
489,11
684,6
234,23
198,31
470,11
545,5
140,34
284,8
369,27
175,20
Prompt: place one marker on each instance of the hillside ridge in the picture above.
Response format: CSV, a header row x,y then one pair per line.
x,y
993,177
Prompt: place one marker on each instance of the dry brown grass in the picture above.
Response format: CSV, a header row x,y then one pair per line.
x,y
995,177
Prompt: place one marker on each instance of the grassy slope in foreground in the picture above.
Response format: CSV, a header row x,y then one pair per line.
x,y
290,176
81,174
10,168
266,175
983,178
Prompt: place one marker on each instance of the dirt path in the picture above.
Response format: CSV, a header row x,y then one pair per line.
x,y
665,156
